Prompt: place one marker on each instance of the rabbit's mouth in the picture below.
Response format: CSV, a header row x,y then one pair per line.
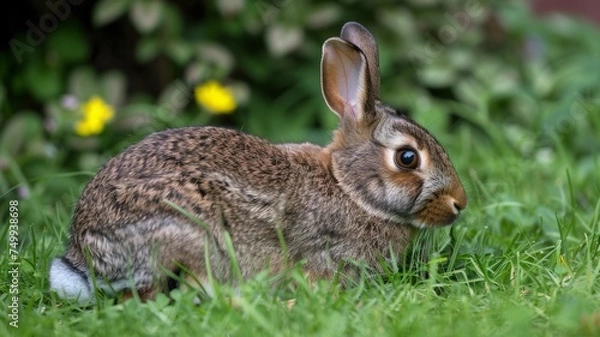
x,y
428,222
439,212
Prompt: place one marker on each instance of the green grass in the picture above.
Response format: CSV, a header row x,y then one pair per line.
x,y
524,260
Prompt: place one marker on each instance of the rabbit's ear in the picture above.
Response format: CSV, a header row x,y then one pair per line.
x,y
345,80
359,36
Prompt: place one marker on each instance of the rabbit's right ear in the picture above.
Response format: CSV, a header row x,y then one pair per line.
x,y
345,80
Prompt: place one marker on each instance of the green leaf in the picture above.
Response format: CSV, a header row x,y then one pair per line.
x,y
229,8
43,81
399,21
22,129
217,54
437,75
107,11
70,43
283,39
173,22
469,92
323,16
82,83
146,15
147,49
179,51
2,97
114,87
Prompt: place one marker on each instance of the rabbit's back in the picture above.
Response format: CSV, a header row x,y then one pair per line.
x,y
194,168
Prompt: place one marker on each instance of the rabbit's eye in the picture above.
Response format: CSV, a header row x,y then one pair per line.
x,y
407,159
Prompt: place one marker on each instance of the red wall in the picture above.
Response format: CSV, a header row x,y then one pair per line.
x,y
587,9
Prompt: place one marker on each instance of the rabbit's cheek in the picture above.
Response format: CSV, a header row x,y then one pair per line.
x,y
401,190
407,187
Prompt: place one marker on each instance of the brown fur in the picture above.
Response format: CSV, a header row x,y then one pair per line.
x,y
331,205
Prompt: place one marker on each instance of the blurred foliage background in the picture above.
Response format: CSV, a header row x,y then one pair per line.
x,y
83,79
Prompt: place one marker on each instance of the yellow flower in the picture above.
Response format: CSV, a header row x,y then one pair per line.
x,y
96,113
215,97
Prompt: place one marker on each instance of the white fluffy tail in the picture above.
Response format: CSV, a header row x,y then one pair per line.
x,y
70,283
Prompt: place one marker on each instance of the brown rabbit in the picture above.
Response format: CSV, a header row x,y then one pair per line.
x,y
358,199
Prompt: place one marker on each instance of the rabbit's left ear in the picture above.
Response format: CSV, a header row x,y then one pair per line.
x,y
345,80
359,36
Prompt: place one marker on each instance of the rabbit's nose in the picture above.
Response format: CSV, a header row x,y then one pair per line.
x,y
458,206
459,198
